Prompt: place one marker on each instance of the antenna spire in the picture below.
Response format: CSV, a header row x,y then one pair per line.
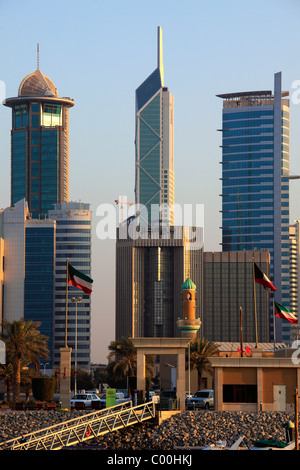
x,y
160,54
38,56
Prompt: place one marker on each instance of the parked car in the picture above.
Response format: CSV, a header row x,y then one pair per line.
x,y
201,399
119,399
85,398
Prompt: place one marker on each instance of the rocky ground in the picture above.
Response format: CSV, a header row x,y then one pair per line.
x,y
192,428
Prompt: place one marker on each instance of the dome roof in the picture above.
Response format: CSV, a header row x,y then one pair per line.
x,y
188,285
37,84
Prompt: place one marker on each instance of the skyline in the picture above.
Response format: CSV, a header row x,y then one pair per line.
x,y
206,52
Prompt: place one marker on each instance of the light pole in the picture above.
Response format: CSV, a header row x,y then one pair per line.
x,y
76,300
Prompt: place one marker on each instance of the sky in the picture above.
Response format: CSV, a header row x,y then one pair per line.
x,y
98,52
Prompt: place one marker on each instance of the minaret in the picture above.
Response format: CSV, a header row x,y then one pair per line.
x,y
189,324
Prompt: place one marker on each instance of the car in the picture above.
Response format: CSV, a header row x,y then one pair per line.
x,y
201,399
84,398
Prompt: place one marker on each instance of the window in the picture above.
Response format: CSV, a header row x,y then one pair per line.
x,y
239,393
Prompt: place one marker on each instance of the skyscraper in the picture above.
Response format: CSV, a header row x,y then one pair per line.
x,y
149,274
73,242
255,181
28,248
154,170
39,144
295,273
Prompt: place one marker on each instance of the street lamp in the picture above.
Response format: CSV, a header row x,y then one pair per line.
x,y
76,300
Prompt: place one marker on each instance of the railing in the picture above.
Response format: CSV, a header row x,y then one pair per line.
x,y
169,404
83,428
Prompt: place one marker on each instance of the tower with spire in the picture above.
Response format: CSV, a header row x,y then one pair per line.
x,y
154,146
39,144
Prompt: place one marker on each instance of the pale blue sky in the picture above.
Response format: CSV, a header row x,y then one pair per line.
x,y
98,52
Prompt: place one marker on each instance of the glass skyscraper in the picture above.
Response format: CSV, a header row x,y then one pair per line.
x,y
73,242
39,144
154,183
255,182
40,277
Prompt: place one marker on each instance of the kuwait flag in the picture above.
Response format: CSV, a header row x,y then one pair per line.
x,y
284,313
262,279
80,280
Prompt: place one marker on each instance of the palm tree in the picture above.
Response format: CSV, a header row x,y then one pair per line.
x,y
200,351
6,373
24,343
125,363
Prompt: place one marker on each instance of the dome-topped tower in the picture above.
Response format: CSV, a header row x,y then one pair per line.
x,y
188,324
37,84
39,144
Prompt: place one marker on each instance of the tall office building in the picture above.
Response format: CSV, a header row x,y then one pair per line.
x,y
73,242
150,271
39,144
255,182
295,273
28,269
228,285
154,170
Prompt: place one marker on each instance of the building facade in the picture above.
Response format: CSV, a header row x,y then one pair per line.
x,y
255,182
28,268
39,144
228,285
294,274
73,242
39,278
149,273
154,146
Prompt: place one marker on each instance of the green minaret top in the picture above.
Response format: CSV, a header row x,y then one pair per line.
x,y
188,285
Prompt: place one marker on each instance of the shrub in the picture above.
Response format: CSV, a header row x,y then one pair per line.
x,y
43,388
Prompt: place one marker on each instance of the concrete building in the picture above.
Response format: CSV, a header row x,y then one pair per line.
x,y
255,182
73,242
255,383
154,144
150,270
39,144
228,285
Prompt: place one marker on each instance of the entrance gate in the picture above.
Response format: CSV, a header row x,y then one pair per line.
x,y
162,346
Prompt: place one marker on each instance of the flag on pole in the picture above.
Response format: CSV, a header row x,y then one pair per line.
x,y
80,280
248,350
284,313
262,279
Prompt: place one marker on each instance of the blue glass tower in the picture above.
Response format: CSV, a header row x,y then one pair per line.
x,y
40,277
255,182
39,144
154,183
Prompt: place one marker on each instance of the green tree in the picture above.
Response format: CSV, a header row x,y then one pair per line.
x,y
200,351
125,359
24,344
6,373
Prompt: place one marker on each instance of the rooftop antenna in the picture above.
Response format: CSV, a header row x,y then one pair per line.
x,y
160,54
38,56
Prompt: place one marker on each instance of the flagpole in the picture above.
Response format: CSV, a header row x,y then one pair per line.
x,y
67,278
274,324
241,326
254,293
